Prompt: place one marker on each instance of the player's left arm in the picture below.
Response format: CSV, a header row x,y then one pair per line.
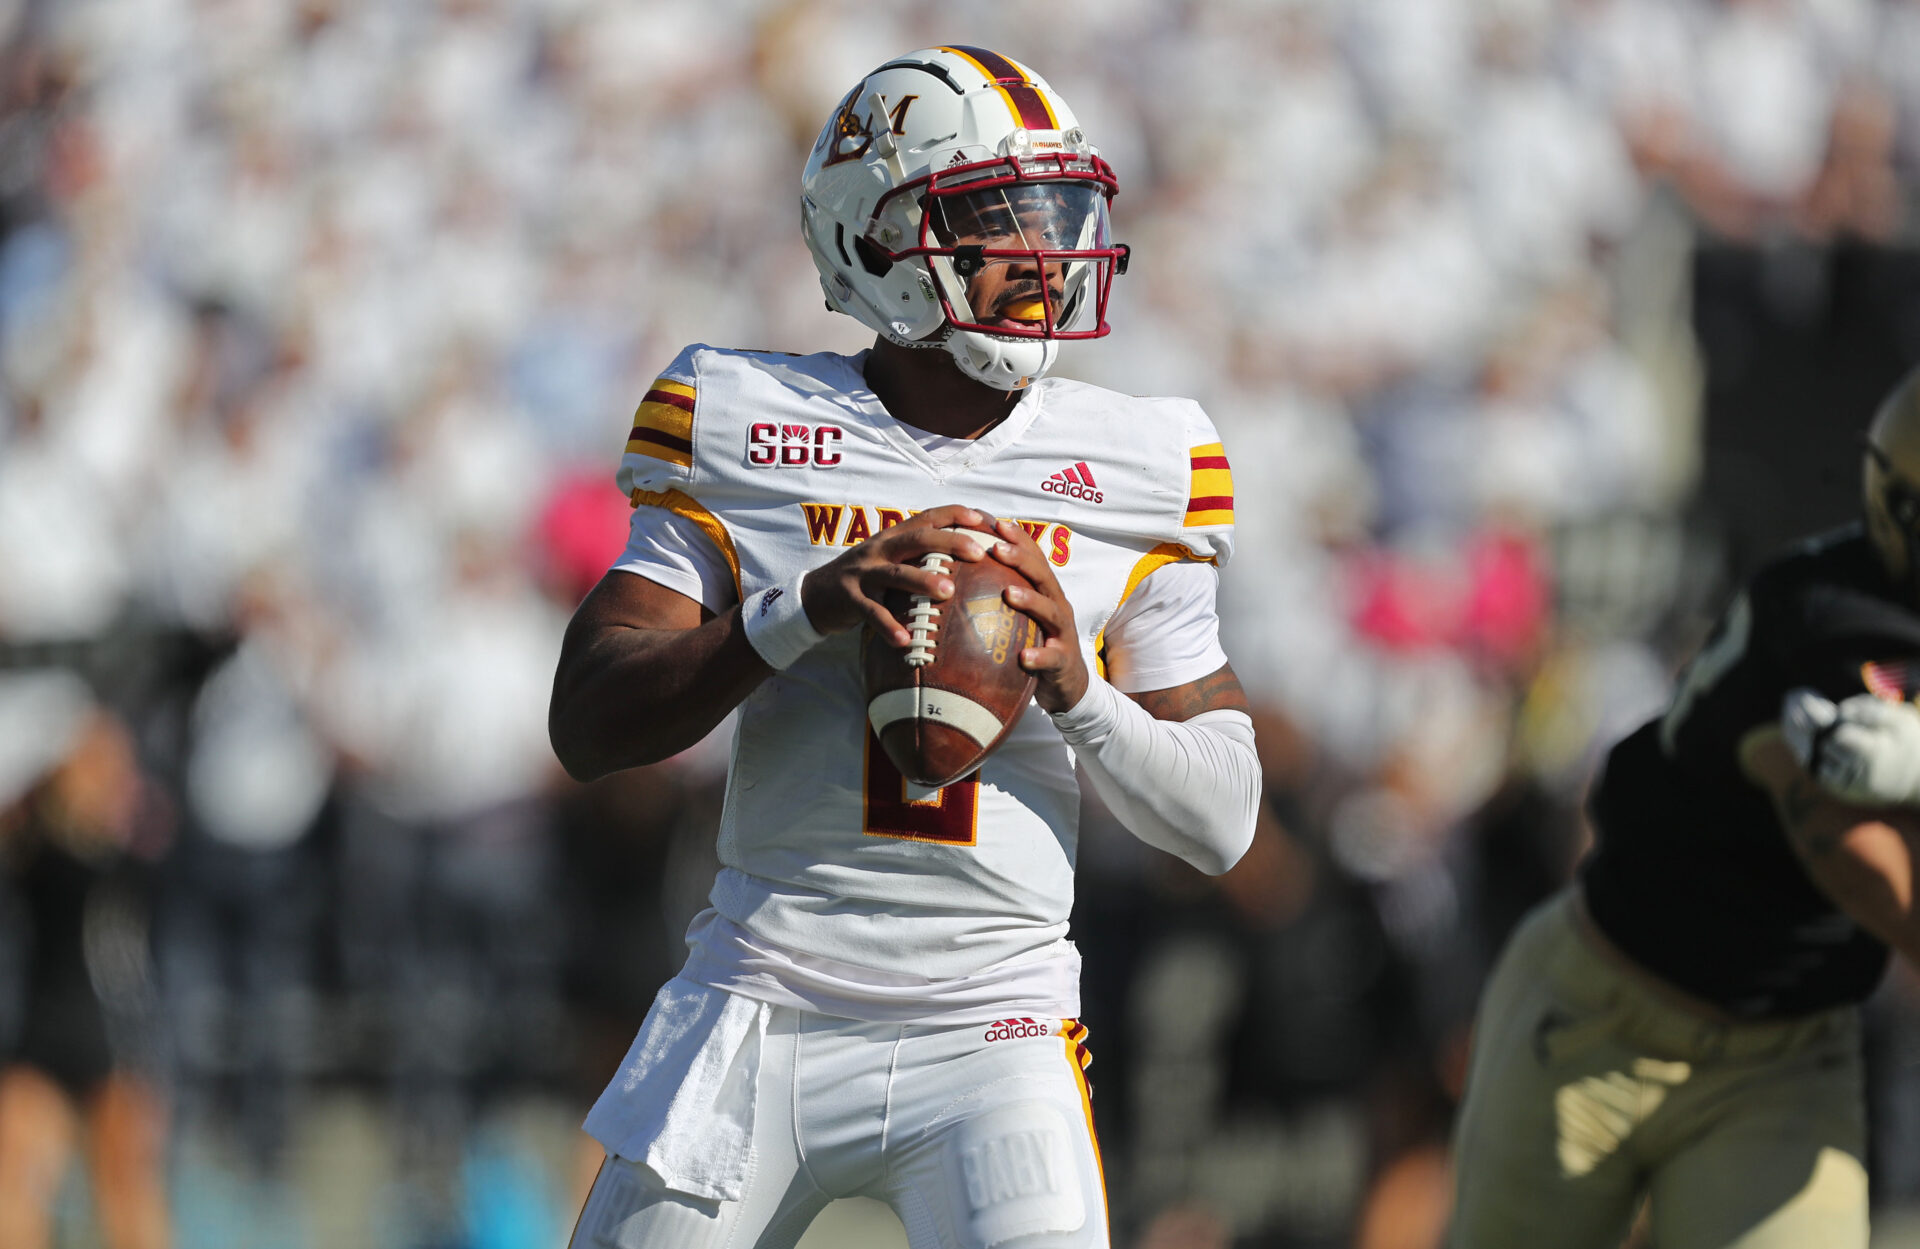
x,y
1177,766
1862,857
1217,691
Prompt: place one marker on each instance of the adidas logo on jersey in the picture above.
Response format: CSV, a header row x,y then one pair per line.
x,y
1075,483
1010,1029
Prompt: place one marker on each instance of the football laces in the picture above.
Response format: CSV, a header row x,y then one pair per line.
x,y
923,618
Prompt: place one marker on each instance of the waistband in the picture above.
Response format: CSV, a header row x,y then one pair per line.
x,y
723,955
1638,1007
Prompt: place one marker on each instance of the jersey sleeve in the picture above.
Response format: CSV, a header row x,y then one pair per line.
x,y
1206,527
659,451
1167,632
673,538
670,550
1771,638
1721,690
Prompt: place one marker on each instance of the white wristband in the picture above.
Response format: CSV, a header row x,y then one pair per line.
x,y
777,626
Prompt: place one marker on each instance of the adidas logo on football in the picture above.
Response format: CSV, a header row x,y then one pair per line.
x,y
1009,1029
1075,483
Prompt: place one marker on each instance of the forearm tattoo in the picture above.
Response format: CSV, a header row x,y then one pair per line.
x,y
1217,691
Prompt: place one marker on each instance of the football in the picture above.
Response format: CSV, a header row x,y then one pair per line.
x,y
941,706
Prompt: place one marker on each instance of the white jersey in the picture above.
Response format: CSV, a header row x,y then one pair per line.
x,y
828,856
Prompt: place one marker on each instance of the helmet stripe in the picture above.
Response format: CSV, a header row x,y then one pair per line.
x,y
1027,105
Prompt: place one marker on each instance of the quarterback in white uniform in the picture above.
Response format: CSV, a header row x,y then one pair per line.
x,y
882,999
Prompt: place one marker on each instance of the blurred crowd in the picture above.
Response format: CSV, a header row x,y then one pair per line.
x,y
320,325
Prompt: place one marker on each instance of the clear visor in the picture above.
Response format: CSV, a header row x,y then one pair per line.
x,y
1026,279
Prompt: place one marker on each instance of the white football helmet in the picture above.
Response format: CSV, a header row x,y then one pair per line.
x,y
955,175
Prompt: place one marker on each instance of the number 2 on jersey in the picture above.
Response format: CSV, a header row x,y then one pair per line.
x,y
949,816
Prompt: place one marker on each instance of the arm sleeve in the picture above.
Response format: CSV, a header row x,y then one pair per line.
x,y
670,550
1167,633
1191,787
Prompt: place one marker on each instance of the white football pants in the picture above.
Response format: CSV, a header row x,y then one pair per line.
x,y
974,1142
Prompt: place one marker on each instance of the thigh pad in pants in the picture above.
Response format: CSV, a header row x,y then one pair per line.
x,y
1014,1172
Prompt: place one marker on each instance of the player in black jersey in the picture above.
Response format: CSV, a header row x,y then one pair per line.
x,y
1682,1023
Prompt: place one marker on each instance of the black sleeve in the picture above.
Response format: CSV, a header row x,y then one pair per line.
x,y
1726,688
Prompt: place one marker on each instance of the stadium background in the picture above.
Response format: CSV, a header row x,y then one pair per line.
x,y
1529,324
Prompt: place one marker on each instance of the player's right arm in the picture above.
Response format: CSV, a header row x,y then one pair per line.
x,y
1861,857
646,671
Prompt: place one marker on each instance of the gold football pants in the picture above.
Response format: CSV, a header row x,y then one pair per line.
x,y
1590,1088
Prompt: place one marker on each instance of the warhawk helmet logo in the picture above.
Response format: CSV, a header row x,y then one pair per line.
x,y
852,135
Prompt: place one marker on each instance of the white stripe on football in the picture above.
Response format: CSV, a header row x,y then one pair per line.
x,y
937,707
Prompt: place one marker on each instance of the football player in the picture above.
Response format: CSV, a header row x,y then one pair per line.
x,y
882,999
1682,1024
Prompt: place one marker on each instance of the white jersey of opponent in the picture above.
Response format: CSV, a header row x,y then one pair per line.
x,y
833,866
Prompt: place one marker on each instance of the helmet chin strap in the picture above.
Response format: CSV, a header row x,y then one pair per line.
x,y
1004,364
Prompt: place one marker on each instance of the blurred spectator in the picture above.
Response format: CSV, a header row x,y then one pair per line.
x,y
79,988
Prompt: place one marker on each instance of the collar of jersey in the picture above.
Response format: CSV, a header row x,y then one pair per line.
x,y
984,448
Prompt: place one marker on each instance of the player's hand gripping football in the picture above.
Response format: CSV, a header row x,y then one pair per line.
x,y
1057,661
850,590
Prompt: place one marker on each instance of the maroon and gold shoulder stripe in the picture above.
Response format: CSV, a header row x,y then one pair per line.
x,y
663,425
1210,495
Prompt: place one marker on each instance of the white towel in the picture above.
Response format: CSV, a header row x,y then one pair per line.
x,y
683,1099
